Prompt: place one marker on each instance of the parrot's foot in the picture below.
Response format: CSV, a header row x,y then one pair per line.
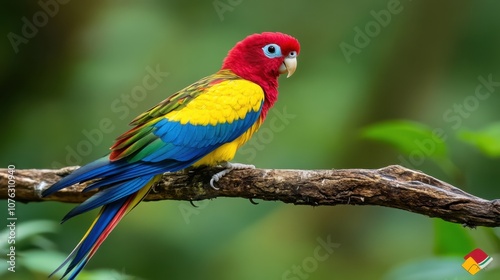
x,y
192,203
253,202
39,188
229,167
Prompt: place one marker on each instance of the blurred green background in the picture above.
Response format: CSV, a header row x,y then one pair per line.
x,y
374,79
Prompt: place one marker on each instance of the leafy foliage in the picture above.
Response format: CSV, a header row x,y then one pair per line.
x,y
406,136
36,254
451,239
487,140
412,138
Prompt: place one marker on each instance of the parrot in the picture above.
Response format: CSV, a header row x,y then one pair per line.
x,y
201,125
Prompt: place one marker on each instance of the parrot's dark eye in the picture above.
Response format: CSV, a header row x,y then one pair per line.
x,y
272,50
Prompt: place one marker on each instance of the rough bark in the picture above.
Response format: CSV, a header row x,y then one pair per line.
x,y
392,186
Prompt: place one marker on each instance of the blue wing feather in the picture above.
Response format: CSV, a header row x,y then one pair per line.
x,y
83,173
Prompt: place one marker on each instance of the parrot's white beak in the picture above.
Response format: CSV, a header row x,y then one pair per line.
x,y
289,64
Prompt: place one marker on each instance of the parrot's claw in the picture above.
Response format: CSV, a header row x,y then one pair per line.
x,y
229,167
253,202
192,203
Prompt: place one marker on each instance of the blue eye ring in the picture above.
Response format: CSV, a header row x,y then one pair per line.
x,y
272,50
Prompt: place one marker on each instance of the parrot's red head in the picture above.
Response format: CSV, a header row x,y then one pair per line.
x,y
261,58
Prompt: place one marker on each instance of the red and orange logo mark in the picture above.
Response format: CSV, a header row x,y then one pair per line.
x,y
476,260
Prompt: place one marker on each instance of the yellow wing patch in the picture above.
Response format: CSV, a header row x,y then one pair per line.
x,y
221,103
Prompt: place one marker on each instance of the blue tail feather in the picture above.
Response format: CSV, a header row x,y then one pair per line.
x,y
109,195
80,255
106,216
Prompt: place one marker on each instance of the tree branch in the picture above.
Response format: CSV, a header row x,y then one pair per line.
x,y
392,186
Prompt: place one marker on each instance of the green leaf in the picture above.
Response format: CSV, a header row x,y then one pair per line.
x,y
451,239
430,269
3,267
41,261
44,262
29,229
408,137
487,140
30,232
106,274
